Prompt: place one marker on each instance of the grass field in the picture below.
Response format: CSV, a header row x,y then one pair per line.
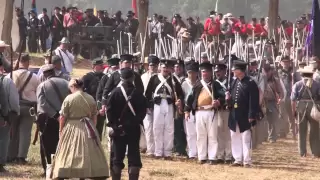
x,y
278,161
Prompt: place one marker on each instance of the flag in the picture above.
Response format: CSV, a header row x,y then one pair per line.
x,y
217,3
33,6
134,7
95,10
313,38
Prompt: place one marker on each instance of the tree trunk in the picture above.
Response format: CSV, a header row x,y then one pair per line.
x,y
7,21
273,20
143,10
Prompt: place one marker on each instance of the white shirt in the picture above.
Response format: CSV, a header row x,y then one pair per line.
x,y
67,58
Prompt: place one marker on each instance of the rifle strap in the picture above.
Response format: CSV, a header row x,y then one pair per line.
x,y
25,84
62,59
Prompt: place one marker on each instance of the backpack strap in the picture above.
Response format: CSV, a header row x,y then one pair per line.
x,y
56,89
25,84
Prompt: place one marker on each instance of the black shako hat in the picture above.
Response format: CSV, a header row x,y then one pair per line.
x,y
153,60
239,64
167,63
178,62
192,66
219,67
206,66
126,73
113,62
126,57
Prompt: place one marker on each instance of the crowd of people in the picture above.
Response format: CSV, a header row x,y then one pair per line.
x,y
209,112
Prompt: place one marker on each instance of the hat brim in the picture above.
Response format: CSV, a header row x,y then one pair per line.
x,y
303,71
64,42
4,45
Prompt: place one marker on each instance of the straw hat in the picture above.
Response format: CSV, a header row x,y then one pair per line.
x,y
64,40
306,70
3,44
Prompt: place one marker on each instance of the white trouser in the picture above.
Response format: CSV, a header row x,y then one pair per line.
x,y
191,133
224,139
241,146
148,127
207,131
163,128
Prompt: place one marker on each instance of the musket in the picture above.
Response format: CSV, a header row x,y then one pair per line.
x,y
19,57
51,48
11,56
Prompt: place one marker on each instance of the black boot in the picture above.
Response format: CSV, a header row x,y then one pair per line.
x,y
116,173
134,173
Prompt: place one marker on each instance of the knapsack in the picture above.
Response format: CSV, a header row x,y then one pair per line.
x,y
4,108
94,84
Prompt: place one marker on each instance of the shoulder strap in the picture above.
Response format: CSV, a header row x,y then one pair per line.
x,y
48,101
61,58
56,89
127,99
25,84
310,94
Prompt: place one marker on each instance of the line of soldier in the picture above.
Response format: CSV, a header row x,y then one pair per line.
x,y
214,117
61,24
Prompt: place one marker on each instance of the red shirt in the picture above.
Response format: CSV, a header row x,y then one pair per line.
x,y
257,29
242,27
212,29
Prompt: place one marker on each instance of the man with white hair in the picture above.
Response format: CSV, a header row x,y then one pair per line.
x,y
67,58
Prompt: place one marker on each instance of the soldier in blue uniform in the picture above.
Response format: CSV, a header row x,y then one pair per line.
x,y
114,80
91,83
244,110
126,109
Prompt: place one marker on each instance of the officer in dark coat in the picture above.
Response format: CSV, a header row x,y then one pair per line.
x,y
22,23
33,32
114,80
244,111
131,23
90,85
113,63
90,19
126,109
44,27
57,30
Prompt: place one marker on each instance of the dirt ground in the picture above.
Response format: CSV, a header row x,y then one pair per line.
x,y
278,161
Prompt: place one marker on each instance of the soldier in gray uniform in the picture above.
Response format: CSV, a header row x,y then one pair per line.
x,y
285,74
272,96
56,62
50,95
301,98
9,105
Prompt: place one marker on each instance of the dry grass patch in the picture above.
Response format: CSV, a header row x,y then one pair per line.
x,y
278,161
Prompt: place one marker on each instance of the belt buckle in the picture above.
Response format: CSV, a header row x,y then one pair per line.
x,y
163,96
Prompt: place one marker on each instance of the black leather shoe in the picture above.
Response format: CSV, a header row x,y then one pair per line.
x,y
229,162
213,162
22,161
220,161
203,161
2,169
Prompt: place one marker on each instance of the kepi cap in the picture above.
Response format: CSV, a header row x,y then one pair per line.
x,y
167,63
219,67
113,61
97,61
47,67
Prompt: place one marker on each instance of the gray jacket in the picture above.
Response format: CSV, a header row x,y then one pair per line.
x,y
48,100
